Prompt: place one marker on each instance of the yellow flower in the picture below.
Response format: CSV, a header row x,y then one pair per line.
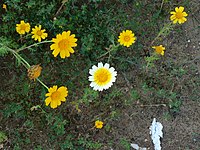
x,y
98,124
23,27
127,38
4,6
178,15
56,96
38,33
34,71
159,49
63,44
102,77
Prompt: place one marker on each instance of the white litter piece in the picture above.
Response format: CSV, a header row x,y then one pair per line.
x,y
135,146
156,134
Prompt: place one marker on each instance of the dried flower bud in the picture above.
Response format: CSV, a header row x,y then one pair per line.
x,y
34,71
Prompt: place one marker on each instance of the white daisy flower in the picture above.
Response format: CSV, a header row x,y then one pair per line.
x,y
102,77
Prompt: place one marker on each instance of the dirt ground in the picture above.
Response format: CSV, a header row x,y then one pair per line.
x,y
182,130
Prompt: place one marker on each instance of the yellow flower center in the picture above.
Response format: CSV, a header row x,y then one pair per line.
x,y
99,124
159,49
39,33
63,44
102,76
179,15
22,26
55,95
127,38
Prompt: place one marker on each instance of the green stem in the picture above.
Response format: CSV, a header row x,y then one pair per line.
x,y
167,27
42,83
109,56
16,56
23,60
26,64
33,45
114,47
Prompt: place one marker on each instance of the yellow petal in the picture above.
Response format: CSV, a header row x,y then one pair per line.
x,y
53,104
71,50
55,87
55,52
173,13
48,94
53,46
63,99
181,9
180,21
175,21
47,101
62,54
185,14
176,9
58,103
63,91
51,90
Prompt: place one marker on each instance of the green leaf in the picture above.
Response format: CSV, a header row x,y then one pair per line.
x,y
3,137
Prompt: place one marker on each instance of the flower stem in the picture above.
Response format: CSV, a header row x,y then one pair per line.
x,y
164,31
21,49
110,49
42,83
27,65
17,57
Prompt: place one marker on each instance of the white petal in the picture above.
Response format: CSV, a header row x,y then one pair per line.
x,y
112,69
113,79
95,88
100,65
107,66
94,67
91,78
92,84
101,89
106,87
114,73
98,87
91,71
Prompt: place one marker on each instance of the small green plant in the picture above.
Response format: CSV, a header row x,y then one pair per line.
x,y
126,145
174,103
3,137
14,109
151,61
89,96
38,147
